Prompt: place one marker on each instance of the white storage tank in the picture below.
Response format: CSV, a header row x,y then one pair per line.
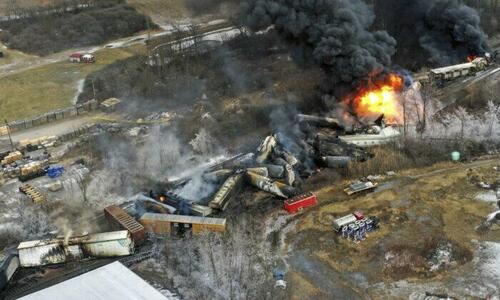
x,y
41,252
61,250
108,244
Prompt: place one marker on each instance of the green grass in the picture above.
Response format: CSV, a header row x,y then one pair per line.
x,y
50,87
11,56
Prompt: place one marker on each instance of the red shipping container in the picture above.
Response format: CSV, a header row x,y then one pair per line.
x,y
300,202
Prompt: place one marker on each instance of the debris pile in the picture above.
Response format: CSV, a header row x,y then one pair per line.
x,y
360,186
24,164
278,166
441,257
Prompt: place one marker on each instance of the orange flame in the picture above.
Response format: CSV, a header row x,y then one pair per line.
x,y
379,97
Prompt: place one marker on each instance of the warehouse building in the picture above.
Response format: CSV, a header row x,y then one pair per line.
x,y
111,282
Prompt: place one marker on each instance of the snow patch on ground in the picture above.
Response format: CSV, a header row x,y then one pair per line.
x,y
489,196
490,264
79,90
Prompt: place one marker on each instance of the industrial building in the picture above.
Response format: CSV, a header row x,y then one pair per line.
x,y
111,282
162,224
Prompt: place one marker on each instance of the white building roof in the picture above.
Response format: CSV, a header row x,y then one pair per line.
x,y
111,282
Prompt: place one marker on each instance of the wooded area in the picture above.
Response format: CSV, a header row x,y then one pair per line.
x,y
68,24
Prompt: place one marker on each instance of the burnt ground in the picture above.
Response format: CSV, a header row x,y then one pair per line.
x,y
233,91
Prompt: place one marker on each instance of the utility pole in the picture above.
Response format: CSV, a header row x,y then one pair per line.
x,y
8,132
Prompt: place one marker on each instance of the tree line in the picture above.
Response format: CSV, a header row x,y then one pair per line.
x,y
68,24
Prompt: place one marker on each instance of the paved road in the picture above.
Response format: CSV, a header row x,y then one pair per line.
x,y
51,129
26,64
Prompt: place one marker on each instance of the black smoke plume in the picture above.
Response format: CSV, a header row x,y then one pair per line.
x,y
432,33
334,34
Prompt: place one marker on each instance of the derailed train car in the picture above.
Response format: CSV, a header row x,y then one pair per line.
x,y
122,220
9,264
441,75
460,70
61,250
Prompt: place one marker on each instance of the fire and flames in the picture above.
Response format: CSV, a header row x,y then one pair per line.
x,y
379,97
471,57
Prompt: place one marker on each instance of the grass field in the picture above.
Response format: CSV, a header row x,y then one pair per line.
x,y
11,56
51,86
416,213
161,10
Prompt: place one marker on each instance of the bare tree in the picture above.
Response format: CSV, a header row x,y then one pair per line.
x,y
463,116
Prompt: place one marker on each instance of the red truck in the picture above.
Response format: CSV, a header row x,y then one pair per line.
x,y
300,202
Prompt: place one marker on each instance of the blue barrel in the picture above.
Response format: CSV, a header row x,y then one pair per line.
x,y
362,227
345,231
369,225
351,230
355,232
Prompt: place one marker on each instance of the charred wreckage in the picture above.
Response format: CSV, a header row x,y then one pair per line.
x,y
281,162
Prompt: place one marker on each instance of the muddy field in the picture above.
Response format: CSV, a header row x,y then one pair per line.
x,y
427,235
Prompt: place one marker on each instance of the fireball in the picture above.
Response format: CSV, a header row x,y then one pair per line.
x,y
380,97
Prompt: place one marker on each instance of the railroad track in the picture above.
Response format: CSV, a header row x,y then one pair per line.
x,y
77,268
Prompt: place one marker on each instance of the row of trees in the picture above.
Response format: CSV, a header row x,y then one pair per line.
x,y
65,26
16,9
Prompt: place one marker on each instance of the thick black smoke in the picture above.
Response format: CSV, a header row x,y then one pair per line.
x,y
451,31
432,32
334,34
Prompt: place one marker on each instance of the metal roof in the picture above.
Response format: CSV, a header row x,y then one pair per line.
x,y
38,243
183,219
111,282
106,236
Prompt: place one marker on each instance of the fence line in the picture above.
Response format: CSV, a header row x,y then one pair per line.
x,y
50,117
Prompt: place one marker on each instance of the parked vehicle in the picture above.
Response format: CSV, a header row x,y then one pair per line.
x,y
82,58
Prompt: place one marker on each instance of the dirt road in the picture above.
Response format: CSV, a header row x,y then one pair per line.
x,y
27,62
